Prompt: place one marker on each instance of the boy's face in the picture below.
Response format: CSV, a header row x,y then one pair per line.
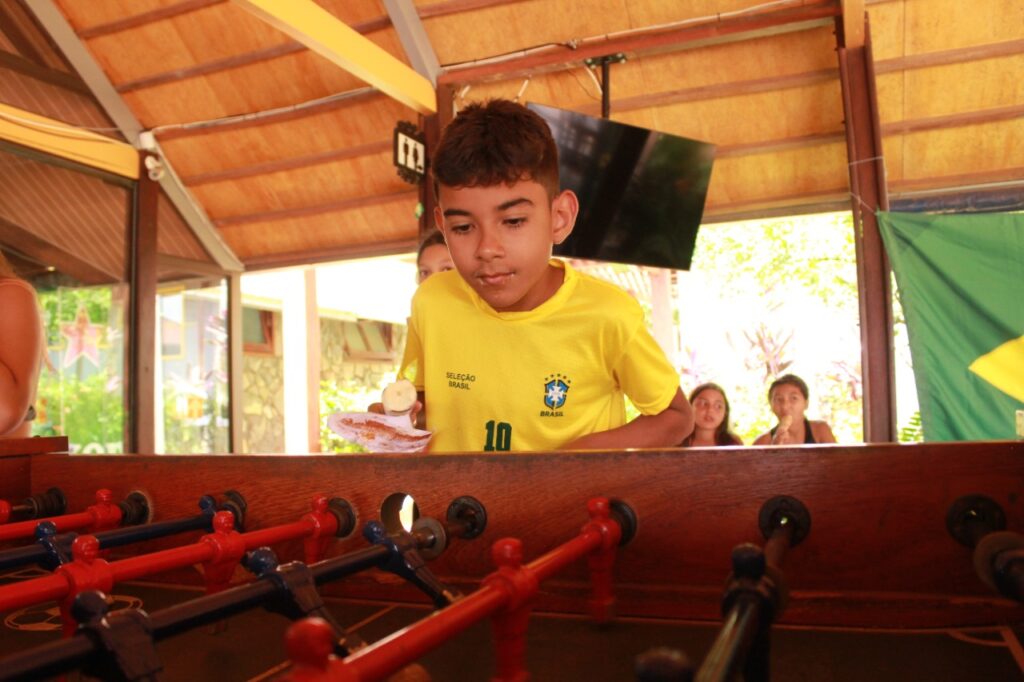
x,y
500,239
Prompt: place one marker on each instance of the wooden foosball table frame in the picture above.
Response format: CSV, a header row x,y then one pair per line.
x,y
878,558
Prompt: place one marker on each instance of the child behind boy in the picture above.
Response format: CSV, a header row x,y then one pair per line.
x,y
515,350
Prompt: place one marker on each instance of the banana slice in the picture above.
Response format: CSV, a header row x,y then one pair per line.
x,y
785,423
399,397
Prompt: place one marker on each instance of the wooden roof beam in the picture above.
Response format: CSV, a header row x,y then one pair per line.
x,y
57,138
174,132
143,18
320,31
319,209
812,14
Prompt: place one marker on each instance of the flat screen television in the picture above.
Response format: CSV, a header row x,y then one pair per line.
x,y
641,192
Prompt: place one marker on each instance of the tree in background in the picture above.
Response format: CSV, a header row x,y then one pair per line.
x,y
768,297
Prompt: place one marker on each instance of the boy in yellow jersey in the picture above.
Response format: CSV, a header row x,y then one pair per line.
x,y
514,350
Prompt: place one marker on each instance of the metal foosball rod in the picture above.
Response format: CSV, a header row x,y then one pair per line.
x,y
755,596
121,644
978,522
53,549
50,503
103,515
505,595
219,552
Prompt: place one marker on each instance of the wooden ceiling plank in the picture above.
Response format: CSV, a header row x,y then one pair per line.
x,y
291,47
239,60
441,9
176,264
348,252
286,114
958,120
718,90
795,142
288,164
306,211
1003,177
955,56
320,31
721,90
57,26
208,68
62,79
714,31
144,18
35,247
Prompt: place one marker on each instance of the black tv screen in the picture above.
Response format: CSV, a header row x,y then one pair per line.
x,y
641,192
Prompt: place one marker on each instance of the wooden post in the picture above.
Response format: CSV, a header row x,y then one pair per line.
x,y
869,194
235,362
433,125
142,266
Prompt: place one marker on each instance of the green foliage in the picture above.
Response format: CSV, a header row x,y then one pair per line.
x,y
912,431
89,411
83,402
776,273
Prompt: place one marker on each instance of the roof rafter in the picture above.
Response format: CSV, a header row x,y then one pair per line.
x,y
414,38
814,14
293,163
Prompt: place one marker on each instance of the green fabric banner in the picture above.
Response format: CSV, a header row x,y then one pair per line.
x,y
961,284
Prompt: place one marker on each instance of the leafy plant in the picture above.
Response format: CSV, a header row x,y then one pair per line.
x,y
912,431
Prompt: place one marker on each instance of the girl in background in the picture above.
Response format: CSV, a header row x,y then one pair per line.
x,y
788,398
432,256
710,418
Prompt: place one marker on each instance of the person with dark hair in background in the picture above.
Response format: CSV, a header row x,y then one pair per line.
x,y
515,350
710,418
432,257
21,352
788,398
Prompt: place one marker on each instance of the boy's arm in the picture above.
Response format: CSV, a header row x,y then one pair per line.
x,y
665,429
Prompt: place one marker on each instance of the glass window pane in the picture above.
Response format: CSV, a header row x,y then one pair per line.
x,y
64,231
192,389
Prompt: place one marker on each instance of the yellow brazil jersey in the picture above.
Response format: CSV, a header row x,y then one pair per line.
x,y
532,380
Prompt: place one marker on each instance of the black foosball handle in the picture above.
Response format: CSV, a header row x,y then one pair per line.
x,y
978,522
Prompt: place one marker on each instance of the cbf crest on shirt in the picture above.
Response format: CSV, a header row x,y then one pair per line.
x,y
556,392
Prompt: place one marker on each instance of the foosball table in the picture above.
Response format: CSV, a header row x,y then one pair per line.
x,y
893,562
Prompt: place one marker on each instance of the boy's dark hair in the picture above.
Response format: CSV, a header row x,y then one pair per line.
x,y
792,380
497,142
433,237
